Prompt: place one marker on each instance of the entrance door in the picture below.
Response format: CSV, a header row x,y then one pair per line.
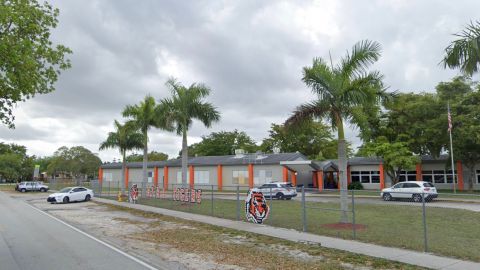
x,y
330,181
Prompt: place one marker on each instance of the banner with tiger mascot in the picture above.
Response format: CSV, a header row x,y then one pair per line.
x,y
256,208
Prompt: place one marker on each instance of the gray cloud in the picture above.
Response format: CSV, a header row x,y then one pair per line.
x,y
250,53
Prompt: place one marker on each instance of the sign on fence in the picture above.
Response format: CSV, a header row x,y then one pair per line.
x,y
187,195
256,208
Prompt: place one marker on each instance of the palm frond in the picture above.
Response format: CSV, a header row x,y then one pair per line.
x,y
363,54
319,78
307,111
464,52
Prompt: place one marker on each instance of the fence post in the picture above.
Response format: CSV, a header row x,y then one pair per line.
x,y
212,201
353,215
238,203
304,216
424,223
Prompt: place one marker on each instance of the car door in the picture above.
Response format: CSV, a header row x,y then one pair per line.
x,y
29,186
75,195
398,191
411,188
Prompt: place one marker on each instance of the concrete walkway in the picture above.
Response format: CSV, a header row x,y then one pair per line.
x,y
393,254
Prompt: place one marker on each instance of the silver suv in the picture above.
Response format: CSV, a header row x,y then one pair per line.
x,y
31,186
278,190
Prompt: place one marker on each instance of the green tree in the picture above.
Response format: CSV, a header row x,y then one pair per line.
x,y
125,138
185,105
396,156
15,164
223,143
311,138
143,116
466,133
77,161
152,156
341,92
464,52
29,62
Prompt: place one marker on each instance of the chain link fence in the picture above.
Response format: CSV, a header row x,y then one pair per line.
x,y
447,225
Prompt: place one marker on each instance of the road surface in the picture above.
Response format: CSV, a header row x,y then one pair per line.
x,y
31,239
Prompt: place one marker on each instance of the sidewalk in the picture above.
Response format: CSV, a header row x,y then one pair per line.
x,y
393,254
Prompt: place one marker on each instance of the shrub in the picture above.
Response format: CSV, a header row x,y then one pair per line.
x,y
355,185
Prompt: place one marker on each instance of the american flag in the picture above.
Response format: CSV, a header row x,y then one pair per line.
x,y
449,120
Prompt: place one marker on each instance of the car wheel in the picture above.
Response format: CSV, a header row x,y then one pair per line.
x,y
387,197
66,200
417,197
23,190
87,198
289,198
43,190
280,196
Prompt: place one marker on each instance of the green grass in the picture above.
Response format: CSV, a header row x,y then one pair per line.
x,y
451,232
209,240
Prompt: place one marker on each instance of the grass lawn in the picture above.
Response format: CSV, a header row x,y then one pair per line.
x,y
249,250
450,232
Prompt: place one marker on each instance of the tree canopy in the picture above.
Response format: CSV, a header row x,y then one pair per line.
x,y
15,164
311,138
29,61
223,143
152,156
77,161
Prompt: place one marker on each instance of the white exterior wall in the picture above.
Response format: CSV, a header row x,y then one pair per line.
x,y
136,175
116,175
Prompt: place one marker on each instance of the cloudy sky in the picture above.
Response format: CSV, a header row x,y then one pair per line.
x,y
250,53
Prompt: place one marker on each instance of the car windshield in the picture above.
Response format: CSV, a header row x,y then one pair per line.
x,y
428,185
65,190
286,185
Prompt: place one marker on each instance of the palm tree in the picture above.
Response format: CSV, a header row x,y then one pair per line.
x,y
185,105
143,116
464,52
341,92
125,138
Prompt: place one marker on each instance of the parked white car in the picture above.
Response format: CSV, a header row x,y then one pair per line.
x,y
31,186
71,194
278,190
410,190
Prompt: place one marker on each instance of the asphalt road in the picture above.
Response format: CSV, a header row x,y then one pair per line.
x,y
31,239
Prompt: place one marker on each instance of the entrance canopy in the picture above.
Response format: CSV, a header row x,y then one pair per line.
x,y
309,165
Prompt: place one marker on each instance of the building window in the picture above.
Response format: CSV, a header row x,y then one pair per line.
x,y
107,176
438,176
365,177
407,176
240,177
150,176
201,177
261,177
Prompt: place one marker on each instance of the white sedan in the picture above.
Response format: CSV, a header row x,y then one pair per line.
x,y
71,194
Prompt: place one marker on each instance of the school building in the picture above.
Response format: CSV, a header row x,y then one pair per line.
x,y
251,170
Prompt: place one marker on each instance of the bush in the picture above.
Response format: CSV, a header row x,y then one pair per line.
x,y
355,185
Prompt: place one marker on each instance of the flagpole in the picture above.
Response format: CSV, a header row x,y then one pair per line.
x,y
451,148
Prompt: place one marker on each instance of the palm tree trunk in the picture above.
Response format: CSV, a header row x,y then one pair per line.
x,y
342,171
124,164
184,158
144,166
